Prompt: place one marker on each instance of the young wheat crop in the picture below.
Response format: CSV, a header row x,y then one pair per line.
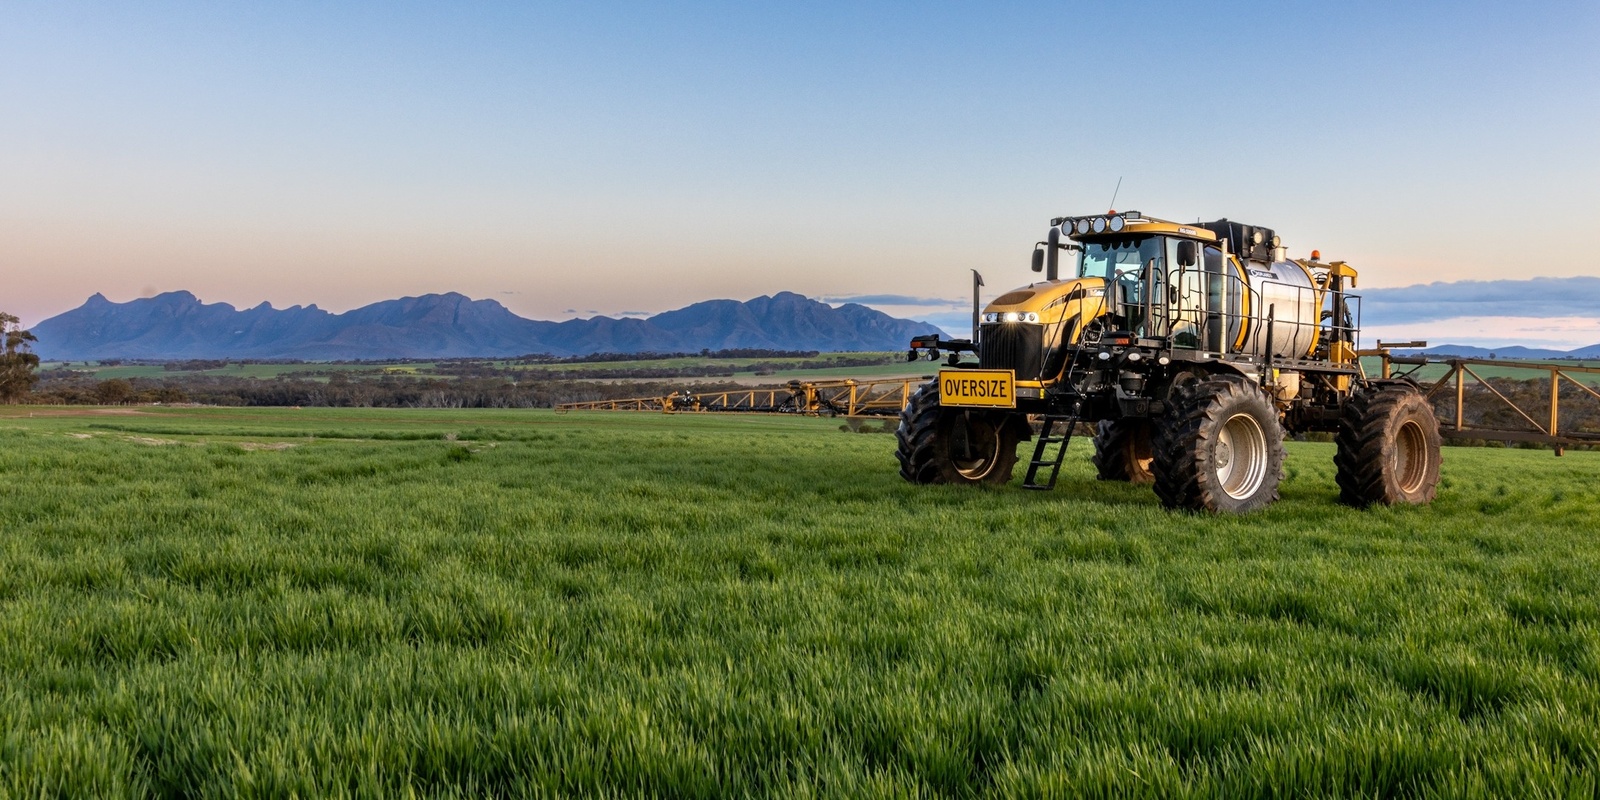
x,y
357,602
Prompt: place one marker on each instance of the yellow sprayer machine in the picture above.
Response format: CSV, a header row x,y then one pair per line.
x,y
1193,349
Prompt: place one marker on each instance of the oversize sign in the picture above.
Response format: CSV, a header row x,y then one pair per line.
x,y
987,388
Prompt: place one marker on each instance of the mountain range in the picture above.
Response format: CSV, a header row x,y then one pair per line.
x,y
1512,352
176,325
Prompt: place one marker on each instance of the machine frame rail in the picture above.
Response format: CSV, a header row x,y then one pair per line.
x,y
882,397
1460,374
886,397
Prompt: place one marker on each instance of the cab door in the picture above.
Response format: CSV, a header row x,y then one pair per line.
x,y
1224,318
1188,295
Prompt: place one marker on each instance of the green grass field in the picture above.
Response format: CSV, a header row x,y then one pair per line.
x,y
789,368
894,369
239,602
125,371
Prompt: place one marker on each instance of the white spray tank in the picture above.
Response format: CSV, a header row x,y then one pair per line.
x,y
1285,302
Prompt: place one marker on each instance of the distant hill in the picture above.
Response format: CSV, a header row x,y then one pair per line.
x,y
1513,352
176,325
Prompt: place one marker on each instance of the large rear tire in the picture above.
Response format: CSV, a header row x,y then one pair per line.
x,y
1389,448
1219,448
1122,450
953,445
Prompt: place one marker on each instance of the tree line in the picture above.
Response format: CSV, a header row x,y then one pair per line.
x,y
387,391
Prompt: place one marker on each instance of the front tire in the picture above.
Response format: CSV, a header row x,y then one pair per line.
x,y
1389,448
1122,450
953,445
1219,448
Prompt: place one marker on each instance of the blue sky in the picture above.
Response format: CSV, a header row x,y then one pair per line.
x,y
638,157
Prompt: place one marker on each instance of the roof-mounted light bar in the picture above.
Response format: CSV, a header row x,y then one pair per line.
x,y
1083,226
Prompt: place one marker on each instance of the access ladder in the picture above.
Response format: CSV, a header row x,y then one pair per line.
x,y
1041,447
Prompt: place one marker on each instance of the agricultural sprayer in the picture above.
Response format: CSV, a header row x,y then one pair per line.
x,y
1193,349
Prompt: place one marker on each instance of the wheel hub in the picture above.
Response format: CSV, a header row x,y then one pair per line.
x,y
976,447
1240,458
1411,459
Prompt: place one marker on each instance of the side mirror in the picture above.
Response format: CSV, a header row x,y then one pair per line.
x,y
1038,259
1187,255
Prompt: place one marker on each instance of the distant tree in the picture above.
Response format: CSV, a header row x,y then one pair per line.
x,y
113,392
171,394
17,361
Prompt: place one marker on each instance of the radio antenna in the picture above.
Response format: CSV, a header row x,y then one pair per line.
x,y
1114,193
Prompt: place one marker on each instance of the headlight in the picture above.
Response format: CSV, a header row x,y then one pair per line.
x,y
991,317
1010,316
1118,223
1083,226
1099,225
1031,316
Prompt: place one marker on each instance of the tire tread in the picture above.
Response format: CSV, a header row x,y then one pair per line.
x,y
1181,454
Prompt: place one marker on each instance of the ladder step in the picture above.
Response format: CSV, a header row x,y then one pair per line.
x,y
1043,470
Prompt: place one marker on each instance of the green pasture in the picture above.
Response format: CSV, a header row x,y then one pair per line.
x,y
101,372
693,361
788,368
899,369
331,602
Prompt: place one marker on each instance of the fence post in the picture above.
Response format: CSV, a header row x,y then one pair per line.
x,y
1460,393
1555,394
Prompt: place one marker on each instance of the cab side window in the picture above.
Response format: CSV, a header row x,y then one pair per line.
x,y
1223,319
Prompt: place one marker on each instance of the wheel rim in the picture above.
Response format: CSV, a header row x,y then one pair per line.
x,y
1411,456
1138,454
974,447
1241,456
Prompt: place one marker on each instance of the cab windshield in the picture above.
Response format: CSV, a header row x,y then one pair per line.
x,y
1106,257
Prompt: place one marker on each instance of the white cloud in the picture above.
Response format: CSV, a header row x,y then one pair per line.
x,y
1531,297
